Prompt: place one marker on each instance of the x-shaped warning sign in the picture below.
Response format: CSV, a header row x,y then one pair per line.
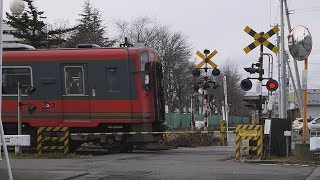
x,y
261,39
207,59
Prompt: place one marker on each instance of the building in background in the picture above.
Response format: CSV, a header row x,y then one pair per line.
x,y
8,38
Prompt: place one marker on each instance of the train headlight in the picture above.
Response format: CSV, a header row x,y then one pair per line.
x,y
146,79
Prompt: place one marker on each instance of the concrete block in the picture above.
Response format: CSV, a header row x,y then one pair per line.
x,y
302,152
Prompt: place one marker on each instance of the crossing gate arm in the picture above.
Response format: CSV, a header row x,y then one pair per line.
x,y
74,135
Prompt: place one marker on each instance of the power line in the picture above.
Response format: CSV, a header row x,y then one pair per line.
x,y
305,9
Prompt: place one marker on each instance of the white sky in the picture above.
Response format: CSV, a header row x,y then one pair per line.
x,y
208,24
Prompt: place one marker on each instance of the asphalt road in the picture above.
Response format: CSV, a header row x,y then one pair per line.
x,y
182,163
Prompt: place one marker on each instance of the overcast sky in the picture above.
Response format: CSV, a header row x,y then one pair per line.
x,y
216,25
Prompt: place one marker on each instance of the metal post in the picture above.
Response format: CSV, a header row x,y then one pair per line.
x,y
1,125
270,75
305,101
223,111
260,79
205,92
283,83
287,146
226,101
192,113
18,148
205,102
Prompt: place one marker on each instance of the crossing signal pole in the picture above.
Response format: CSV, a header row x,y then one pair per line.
x,y
206,57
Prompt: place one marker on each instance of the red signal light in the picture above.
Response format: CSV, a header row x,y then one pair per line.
x,y
272,85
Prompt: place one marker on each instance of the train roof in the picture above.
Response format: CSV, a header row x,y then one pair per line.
x,y
71,54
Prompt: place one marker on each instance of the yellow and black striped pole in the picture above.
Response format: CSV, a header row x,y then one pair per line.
x,y
223,130
39,140
238,143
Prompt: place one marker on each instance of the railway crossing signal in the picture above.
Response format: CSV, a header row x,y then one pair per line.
x,y
206,58
261,39
272,85
246,84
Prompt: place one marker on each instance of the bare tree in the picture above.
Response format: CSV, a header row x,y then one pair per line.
x,y
174,51
235,93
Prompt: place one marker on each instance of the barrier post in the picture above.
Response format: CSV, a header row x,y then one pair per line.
x,y
249,132
53,138
223,132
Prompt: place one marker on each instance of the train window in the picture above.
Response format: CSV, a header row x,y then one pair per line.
x,y
144,60
113,83
74,80
12,75
152,56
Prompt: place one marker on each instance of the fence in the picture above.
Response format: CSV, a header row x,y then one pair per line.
x,y
174,121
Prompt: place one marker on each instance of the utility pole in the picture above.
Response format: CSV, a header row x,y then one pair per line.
x,y
297,89
279,77
283,80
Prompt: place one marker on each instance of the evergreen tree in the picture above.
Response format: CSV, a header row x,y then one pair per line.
x,y
32,30
90,29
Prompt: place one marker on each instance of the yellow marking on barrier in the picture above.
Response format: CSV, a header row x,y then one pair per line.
x,y
96,134
144,132
245,132
56,129
250,148
42,136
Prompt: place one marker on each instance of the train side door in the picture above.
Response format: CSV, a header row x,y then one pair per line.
x,y
75,96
